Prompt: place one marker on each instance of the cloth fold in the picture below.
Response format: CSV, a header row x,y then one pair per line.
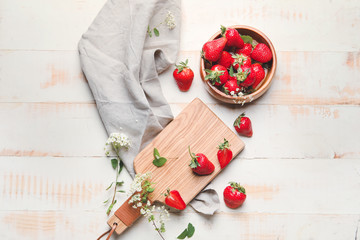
x,y
122,65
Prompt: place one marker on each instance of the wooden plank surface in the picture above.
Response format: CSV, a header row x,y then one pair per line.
x,y
301,168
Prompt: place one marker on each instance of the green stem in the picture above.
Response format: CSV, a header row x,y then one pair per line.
x,y
116,178
158,230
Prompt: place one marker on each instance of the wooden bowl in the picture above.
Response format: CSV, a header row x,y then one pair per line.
x,y
261,89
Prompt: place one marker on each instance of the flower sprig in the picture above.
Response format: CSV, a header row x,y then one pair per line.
x,y
169,21
140,189
115,143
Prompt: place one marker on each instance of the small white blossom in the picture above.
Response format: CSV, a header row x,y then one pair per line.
x,y
117,141
170,20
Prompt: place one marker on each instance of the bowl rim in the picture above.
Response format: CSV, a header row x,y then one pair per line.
x,y
265,85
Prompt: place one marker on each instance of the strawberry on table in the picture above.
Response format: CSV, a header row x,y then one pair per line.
x,y
200,164
261,53
240,60
174,199
247,49
218,75
226,59
259,73
211,50
243,126
224,154
234,195
233,37
183,76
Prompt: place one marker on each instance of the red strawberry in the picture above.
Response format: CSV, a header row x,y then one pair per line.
x,y
211,50
183,76
241,60
245,77
224,154
200,164
243,126
261,53
231,87
173,199
258,72
247,49
226,59
234,195
218,75
233,37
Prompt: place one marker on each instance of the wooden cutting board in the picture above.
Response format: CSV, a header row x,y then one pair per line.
x,y
196,126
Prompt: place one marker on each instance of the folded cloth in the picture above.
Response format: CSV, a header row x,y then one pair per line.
x,y
122,64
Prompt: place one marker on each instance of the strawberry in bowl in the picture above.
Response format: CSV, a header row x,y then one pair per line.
x,y
248,57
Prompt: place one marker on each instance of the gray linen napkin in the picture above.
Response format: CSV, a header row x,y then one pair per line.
x,y
121,63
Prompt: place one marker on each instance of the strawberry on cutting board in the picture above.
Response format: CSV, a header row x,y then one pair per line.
x,y
174,200
233,37
211,50
261,53
243,126
224,154
183,76
217,75
234,195
200,164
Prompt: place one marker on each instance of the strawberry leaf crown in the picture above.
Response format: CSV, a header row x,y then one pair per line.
x,y
238,187
213,76
194,162
167,192
223,30
238,120
226,90
241,75
239,58
182,65
224,145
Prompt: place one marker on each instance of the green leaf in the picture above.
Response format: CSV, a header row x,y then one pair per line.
x,y
121,166
150,189
120,191
149,31
190,230
106,201
183,235
159,162
110,207
109,186
231,71
247,39
156,153
156,32
120,183
114,163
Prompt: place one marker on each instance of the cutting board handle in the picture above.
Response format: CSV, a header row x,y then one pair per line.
x,y
124,217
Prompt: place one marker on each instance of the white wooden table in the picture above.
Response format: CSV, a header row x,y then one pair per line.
x,y
301,168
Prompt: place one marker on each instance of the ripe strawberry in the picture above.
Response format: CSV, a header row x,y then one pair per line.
x,y
258,72
225,59
233,37
211,50
245,77
247,49
183,76
261,53
200,164
241,60
224,154
231,87
173,199
218,75
243,126
234,195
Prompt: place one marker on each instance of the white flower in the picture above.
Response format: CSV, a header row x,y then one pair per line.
x,y
170,20
117,141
